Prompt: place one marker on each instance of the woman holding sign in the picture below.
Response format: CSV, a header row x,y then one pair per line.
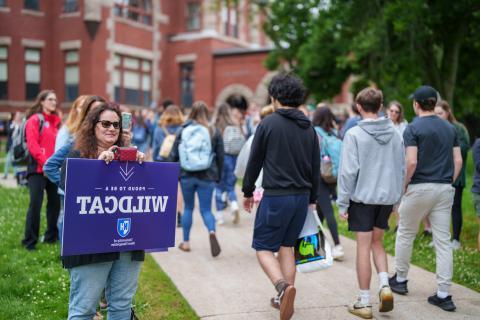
x,y
91,273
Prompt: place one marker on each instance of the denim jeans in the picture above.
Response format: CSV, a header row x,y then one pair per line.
x,y
60,220
227,183
119,278
204,189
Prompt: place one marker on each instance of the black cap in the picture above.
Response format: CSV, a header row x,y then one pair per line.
x,y
424,93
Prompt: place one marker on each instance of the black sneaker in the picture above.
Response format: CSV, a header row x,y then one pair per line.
x,y
445,303
398,287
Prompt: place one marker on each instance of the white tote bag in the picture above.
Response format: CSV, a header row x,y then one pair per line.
x,y
313,251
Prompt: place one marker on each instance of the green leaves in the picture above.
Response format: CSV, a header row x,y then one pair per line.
x,y
395,44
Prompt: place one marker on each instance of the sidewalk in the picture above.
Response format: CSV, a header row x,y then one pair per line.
x,y
233,286
10,182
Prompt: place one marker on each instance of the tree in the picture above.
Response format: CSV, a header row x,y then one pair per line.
x,y
398,45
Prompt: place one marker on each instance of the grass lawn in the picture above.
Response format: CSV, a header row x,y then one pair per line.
x,y
466,261
33,285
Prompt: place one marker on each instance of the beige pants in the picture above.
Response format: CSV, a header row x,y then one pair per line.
x,y
434,200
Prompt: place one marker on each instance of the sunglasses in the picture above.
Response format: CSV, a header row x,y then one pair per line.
x,y
107,124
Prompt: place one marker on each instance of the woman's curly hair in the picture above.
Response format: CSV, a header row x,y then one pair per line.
x,y
86,141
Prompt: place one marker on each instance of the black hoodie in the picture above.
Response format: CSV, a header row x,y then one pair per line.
x,y
286,146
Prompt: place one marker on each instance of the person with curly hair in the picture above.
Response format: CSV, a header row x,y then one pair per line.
x,y
117,272
285,145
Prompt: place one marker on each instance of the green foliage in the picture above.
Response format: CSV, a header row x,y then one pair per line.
x,y
33,285
396,44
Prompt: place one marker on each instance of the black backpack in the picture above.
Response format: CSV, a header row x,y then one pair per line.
x,y
19,142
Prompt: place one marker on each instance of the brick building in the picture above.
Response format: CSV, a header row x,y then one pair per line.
x,y
136,52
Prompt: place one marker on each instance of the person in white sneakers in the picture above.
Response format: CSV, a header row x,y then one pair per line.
x,y
370,182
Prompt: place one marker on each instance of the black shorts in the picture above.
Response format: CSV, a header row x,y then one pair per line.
x,y
363,217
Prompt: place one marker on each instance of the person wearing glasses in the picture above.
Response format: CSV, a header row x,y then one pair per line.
x,y
41,131
395,113
91,273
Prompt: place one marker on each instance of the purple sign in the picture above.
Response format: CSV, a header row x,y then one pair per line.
x,y
121,206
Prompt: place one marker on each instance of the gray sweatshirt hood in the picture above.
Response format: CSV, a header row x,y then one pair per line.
x,y
381,129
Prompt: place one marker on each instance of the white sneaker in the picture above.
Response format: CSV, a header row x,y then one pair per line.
x,y
235,212
219,217
455,244
337,253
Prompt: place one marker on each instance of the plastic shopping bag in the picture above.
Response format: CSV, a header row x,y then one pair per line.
x,y
313,252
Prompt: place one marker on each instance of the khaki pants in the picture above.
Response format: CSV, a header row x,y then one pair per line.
x,y
434,200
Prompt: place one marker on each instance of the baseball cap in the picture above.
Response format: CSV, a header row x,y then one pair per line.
x,y
424,93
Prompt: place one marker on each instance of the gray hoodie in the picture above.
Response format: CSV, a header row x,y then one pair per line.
x,y
372,165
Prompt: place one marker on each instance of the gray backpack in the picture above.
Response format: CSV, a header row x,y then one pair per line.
x,y
20,152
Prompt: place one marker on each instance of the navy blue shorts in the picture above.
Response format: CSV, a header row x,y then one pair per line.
x,y
279,221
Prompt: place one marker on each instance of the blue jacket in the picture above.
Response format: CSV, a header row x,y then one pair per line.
x,y
476,164
158,138
52,167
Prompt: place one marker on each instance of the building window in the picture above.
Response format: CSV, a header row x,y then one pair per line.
x,y
234,21
32,73
72,75
70,6
194,15
136,10
3,73
187,84
132,79
31,4
230,20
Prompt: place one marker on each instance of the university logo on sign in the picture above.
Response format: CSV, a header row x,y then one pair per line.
x,y
124,226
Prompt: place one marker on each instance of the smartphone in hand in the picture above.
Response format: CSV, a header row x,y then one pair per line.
x,y
125,153
126,121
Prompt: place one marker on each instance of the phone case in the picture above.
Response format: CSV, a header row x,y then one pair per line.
x,y
126,120
126,154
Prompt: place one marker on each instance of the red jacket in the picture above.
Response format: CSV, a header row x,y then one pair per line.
x,y
41,145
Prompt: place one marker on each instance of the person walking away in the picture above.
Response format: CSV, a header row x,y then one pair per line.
x,y
233,141
323,122
140,132
352,121
371,151
476,184
444,111
14,125
199,149
41,131
285,145
434,161
164,138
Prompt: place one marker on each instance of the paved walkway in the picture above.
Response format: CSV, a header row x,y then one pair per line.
x,y
10,182
232,286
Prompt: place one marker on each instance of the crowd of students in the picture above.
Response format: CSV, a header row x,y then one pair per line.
x,y
290,159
